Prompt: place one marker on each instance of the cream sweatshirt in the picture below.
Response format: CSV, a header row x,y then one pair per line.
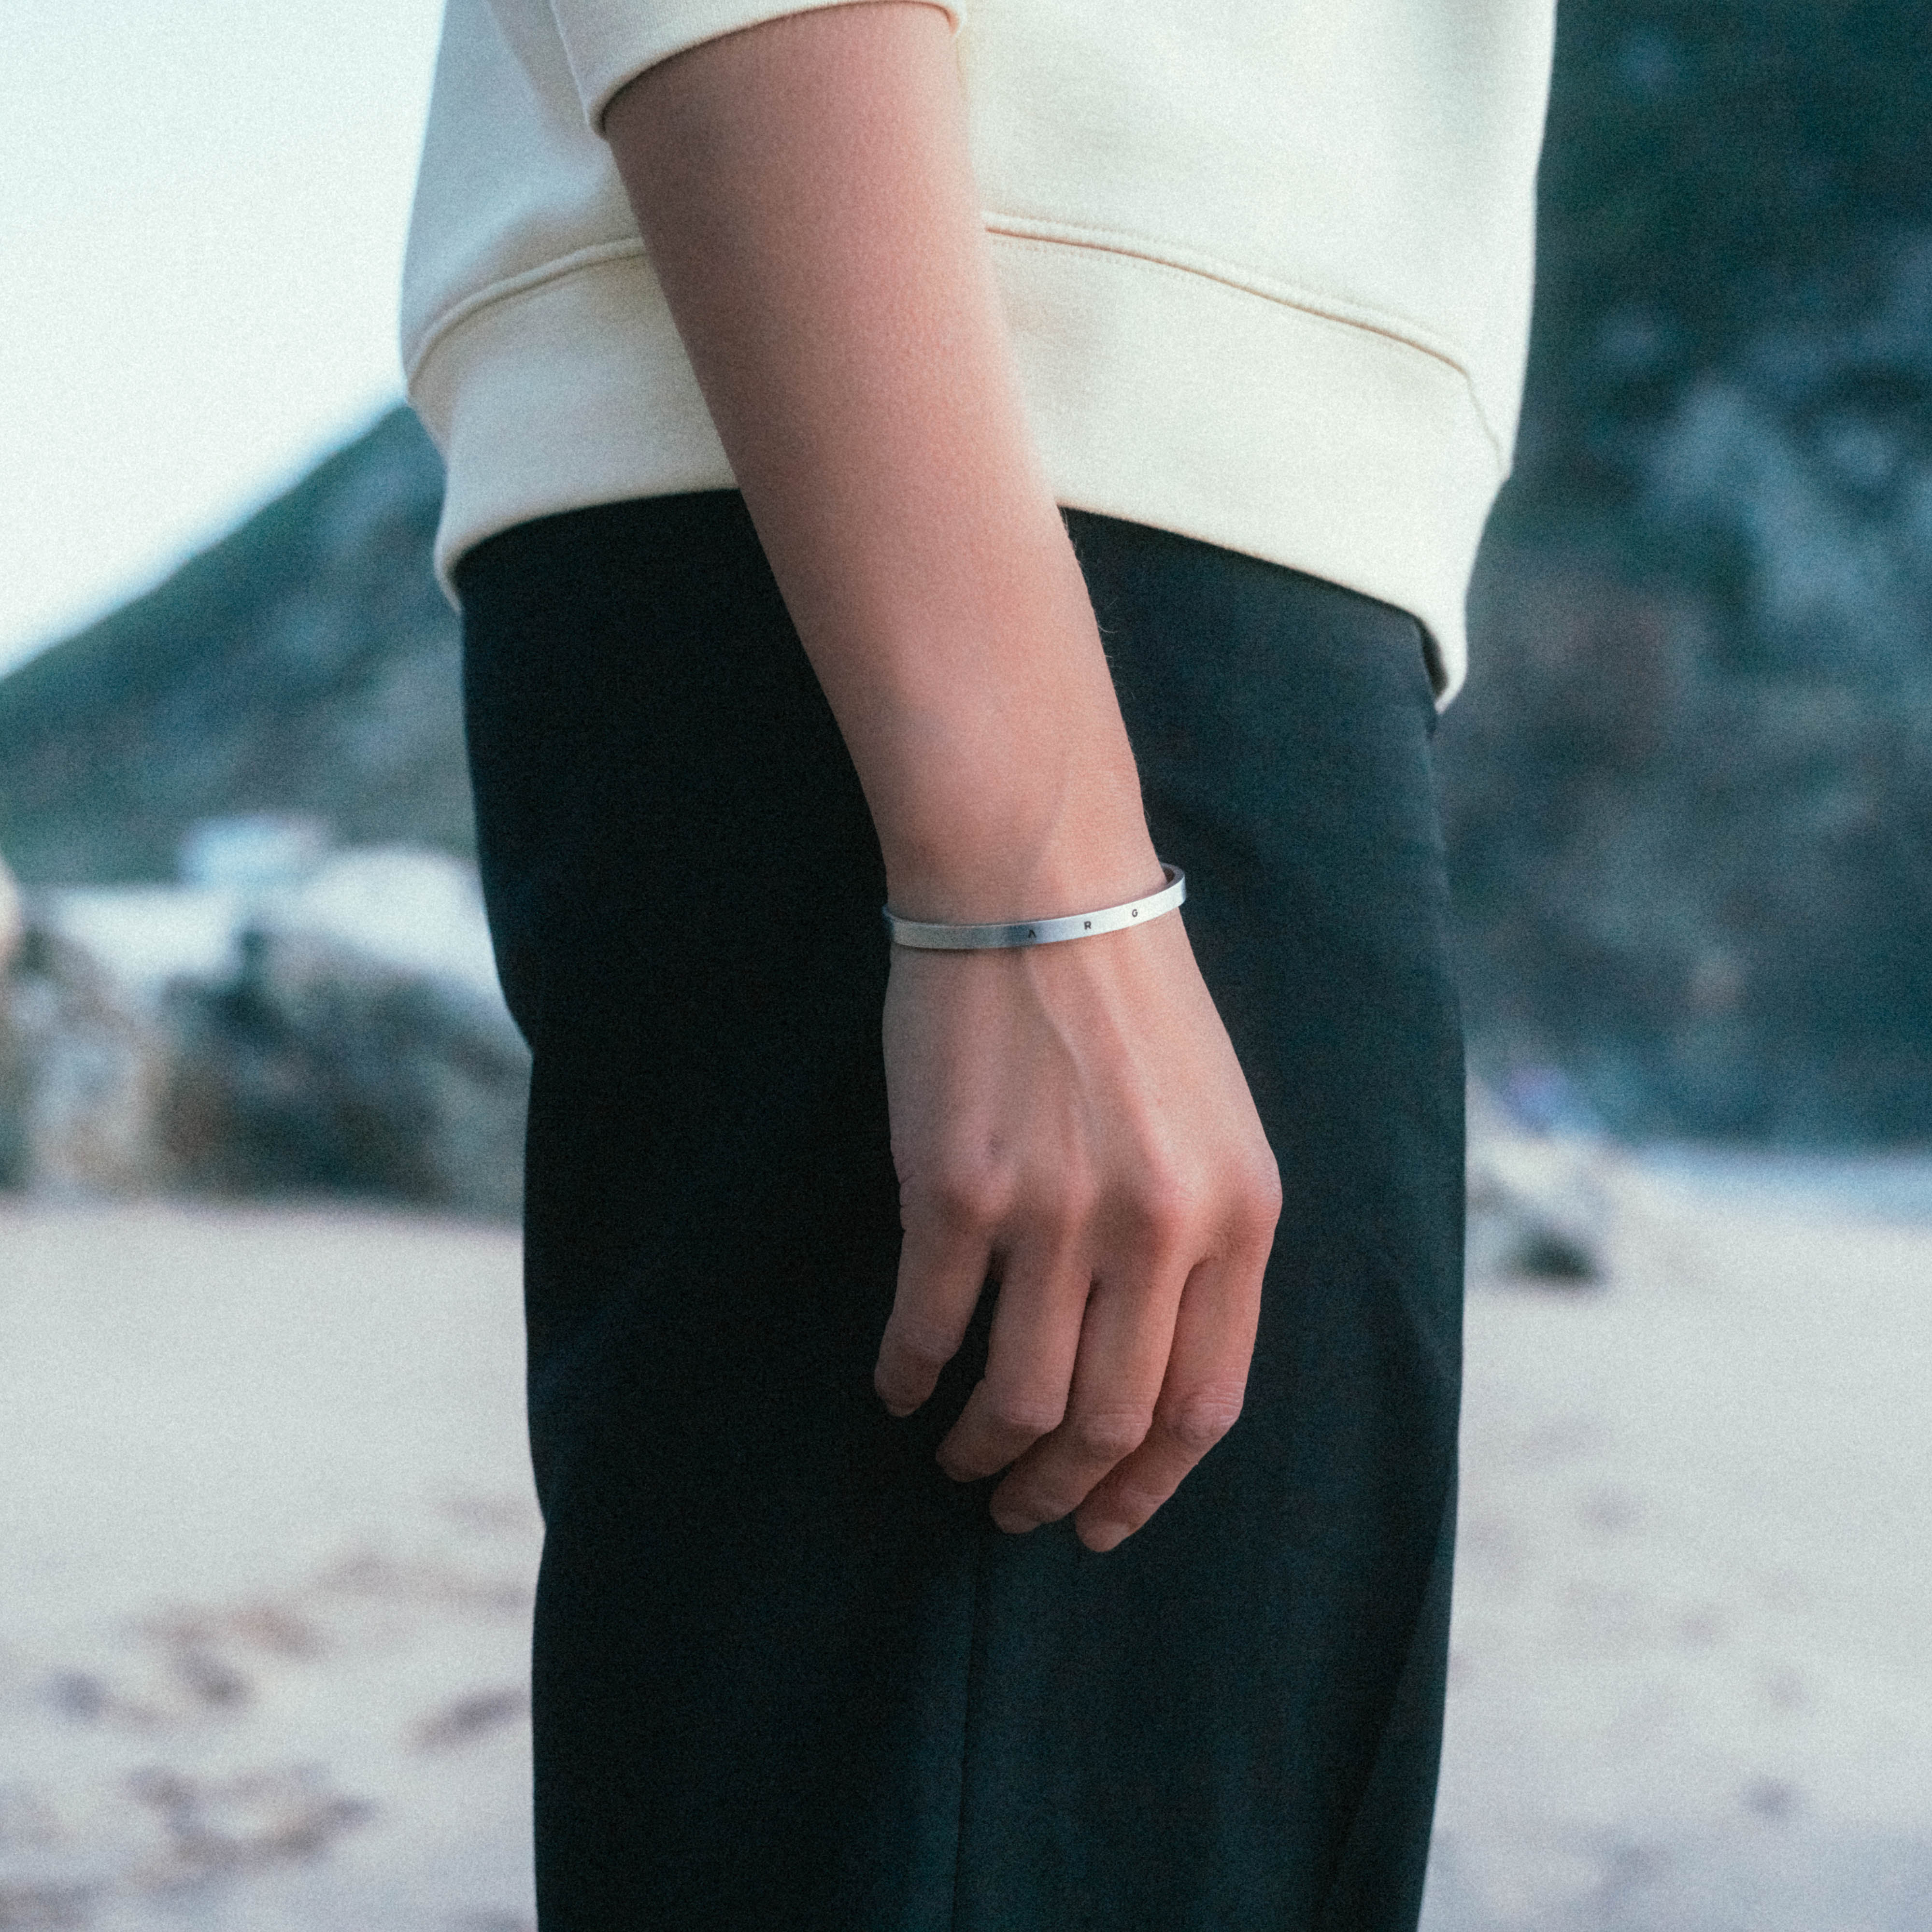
x,y
1266,264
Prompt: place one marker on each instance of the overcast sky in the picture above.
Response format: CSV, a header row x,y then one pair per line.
x,y
202,205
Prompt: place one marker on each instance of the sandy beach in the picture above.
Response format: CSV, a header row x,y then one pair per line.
x,y
269,1545
1690,1687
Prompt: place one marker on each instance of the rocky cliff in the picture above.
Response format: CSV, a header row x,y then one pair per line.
x,y
306,663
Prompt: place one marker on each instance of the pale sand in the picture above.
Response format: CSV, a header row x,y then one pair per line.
x,y
268,1543
1690,1687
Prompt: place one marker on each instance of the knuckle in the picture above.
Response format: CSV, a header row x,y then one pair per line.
x,y
1064,1200
1132,1502
1253,1207
1079,1189
1251,1237
1108,1434
919,1344
964,1196
1201,1418
1018,1413
1264,1190
1161,1211
1169,1202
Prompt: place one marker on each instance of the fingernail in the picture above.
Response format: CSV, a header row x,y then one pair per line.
x,y
1014,1523
898,1410
1104,1537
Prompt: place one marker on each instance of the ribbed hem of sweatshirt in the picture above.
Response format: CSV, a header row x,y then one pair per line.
x,y
1156,394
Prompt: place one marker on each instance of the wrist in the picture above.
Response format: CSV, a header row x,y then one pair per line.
x,y
981,715
1010,853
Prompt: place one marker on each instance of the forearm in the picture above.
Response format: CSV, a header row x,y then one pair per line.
x,y
806,194
1061,1117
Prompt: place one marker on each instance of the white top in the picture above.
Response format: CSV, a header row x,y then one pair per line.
x,y
1266,263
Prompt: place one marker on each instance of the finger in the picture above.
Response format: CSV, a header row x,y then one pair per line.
x,y
1124,1344
1029,1359
1200,1399
942,1272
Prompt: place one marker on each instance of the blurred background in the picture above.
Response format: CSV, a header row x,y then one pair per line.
x,y
260,1105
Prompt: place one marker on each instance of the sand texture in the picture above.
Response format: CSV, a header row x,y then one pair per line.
x,y
1691,1689
268,1546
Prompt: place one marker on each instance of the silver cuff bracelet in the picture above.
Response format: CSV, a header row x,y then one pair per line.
x,y
931,938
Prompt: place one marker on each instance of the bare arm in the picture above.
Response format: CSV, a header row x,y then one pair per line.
x,y
1072,1120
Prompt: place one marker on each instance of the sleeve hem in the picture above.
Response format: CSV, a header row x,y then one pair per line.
x,y
609,43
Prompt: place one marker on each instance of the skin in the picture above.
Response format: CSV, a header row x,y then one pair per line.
x,y
1070,1120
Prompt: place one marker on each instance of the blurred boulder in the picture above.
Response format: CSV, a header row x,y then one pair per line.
x,y
316,1067
342,1033
417,911
1539,1203
83,1071
11,920
358,1045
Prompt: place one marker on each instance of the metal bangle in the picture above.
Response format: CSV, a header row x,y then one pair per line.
x,y
928,936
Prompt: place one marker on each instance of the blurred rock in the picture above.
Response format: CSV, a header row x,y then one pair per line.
x,y
82,1072
318,1068
359,1045
416,911
1689,790
10,917
343,1035
144,937
1539,1204
253,850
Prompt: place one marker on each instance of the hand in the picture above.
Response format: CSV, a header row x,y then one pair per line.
x,y
1071,1119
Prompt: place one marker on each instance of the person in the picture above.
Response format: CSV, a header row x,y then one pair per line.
x,y
967,461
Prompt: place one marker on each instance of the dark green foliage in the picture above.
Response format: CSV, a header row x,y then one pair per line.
x,y
1690,789
1707,161
1707,896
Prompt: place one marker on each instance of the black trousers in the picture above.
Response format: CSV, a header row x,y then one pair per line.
x,y
788,1677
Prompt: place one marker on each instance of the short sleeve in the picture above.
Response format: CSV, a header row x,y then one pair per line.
x,y
609,43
